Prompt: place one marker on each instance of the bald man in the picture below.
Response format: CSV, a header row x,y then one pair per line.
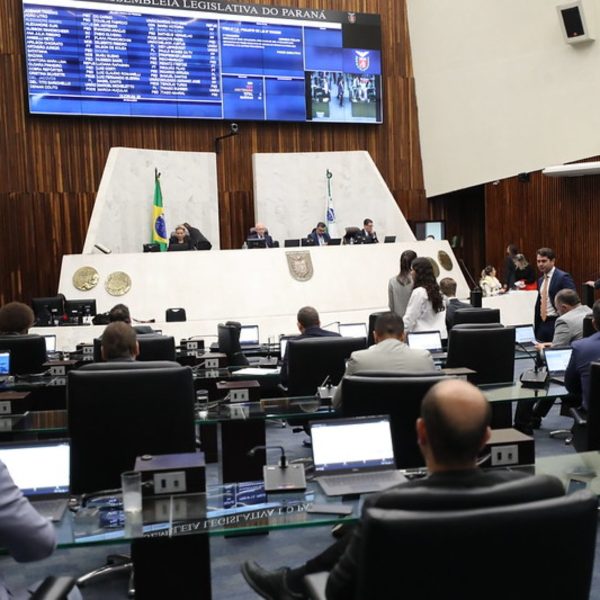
x,y
453,428
261,233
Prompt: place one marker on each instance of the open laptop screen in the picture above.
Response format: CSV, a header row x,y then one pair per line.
x,y
557,359
4,363
249,335
353,330
347,445
50,343
425,340
524,334
38,468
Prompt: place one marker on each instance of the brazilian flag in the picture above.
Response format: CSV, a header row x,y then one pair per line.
x,y
159,227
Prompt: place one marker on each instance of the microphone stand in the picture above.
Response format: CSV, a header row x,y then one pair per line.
x,y
475,295
533,378
282,477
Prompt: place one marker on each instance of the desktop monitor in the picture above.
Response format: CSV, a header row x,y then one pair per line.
x,y
45,309
80,308
249,335
256,243
152,247
430,229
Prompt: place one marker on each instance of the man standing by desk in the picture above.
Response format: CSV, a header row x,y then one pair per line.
x,y
549,284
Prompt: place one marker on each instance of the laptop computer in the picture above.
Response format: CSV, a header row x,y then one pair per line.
x,y
249,337
389,239
335,242
354,456
41,470
525,335
353,330
4,365
556,360
427,340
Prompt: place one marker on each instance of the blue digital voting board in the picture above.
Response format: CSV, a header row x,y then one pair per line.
x,y
202,59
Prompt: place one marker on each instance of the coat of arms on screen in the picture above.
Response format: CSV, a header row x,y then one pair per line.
x,y
300,265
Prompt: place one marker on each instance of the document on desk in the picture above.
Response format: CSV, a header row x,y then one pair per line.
x,y
256,372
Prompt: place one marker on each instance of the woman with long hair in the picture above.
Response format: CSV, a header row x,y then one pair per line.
x,y
509,266
426,310
400,286
525,277
490,286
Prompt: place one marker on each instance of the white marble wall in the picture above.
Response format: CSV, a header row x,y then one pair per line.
x,y
122,215
290,194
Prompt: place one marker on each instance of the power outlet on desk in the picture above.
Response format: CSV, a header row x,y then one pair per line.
x,y
505,455
211,363
5,407
58,370
170,482
239,396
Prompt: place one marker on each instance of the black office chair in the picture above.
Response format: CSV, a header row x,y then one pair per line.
x,y
588,326
312,360
119,411
459,553
394,394
54,588
488,350
152,347
372,318
175,314
229,343
586,423
27,353
477,315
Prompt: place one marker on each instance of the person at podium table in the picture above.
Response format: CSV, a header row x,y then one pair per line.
x,y
260,232
180,240
368,232
319,235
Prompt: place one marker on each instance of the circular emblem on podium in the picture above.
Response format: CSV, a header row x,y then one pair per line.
x,y
117,283
300,265
85,279
445,260
435,266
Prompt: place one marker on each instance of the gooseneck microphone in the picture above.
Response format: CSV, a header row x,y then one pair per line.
x,y
475,295
536,377
283,461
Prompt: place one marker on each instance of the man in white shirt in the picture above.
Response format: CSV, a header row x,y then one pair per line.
x,y
389,353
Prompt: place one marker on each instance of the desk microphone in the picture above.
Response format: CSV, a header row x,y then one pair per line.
x,y
475,295
338,323
283,462
282,477
103,248
536,377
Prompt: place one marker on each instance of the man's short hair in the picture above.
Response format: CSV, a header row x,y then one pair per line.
x,y
449,443
596,314
568,297
118,341
16,317
389,324
547,252
448,286
119,312
367,222
308,317
321,224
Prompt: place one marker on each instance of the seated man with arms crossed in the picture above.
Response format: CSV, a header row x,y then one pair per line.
x,y
389,353
452,429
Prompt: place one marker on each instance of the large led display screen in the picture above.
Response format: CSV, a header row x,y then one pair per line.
x,y
203,60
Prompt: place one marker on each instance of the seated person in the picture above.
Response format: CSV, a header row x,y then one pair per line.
x,y
16,318
585,351
260,232
319,235
119,343
448,288
199,242
389,353
490,286
309,325
569,325
180,240
23,532
453,428
368,233
120,312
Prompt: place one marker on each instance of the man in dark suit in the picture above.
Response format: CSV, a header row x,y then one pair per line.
x,y
585,351
309,325
448,288
452,430
549,284
367,233
319,235
261,233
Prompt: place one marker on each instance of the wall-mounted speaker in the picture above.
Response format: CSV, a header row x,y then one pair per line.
x,y
573,23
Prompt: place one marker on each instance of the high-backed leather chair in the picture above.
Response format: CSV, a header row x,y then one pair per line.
x,y
395,395
477,315
372,319
588,326
459,553
152,347
229,343
27,353
175,314
488,350
586,425
311,360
